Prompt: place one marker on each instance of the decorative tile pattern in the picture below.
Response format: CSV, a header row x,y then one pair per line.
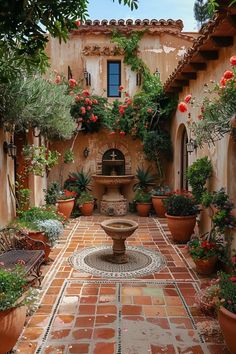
x,y
117,208
141,262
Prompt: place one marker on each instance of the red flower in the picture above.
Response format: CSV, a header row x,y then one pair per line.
x,y
77,23
182,107
188,98
88,108
121,88
233,60
222,82
228,74
233,279
121,110
128,101
112,133
122,133
86,93
95,101
83,110
149,110
72,82
126,94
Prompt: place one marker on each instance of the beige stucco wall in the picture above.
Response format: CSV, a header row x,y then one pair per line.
x,y
96,143
159,51
7,202
222,154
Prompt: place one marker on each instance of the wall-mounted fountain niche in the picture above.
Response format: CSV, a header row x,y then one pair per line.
x,y
113,177
113,163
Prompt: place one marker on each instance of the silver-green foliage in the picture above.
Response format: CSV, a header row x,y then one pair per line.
x,y
52,228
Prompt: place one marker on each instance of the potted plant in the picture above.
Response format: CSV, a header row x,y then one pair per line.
x,y
86,203
158,195
12,306
52,229
205,251
145,179
181,213
143,202
227,309
65,204
51,193
78,182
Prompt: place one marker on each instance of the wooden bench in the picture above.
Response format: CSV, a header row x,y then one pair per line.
x,y
16,247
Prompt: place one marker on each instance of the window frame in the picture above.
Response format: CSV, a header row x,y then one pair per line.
x,y
108,77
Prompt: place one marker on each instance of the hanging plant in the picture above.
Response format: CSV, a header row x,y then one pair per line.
x,y
69,156
39,159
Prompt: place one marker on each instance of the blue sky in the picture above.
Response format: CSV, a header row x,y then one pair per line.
x,y
159,9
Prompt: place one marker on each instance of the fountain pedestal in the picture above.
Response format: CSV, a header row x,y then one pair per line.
x,y
113,202
119,230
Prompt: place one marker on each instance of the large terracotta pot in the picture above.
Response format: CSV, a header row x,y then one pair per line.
x,y
143,209
227,321
181,227
206,266
65,206
11,325
40,236
157,201
87,208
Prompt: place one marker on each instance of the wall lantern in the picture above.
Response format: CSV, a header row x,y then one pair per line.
x,y
9,148
191,145
87,77
138,79
86,152
157,73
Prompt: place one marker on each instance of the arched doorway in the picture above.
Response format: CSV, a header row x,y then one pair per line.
x,y
183,160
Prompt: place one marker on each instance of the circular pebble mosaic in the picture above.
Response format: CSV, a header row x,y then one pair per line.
x,y
141,261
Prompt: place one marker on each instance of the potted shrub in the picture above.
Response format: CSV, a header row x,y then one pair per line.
x,y
78,182
12,306
227,309
197,175
51,193
158,195
143,202
205,251
181,213
145,179
86,203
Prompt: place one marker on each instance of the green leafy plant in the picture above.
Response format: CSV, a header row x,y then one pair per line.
x,y
197,175
35,214
145,179
158,146
51,193
85,197
142,197
161,190
206,199
180,205
227,293
38,159
12,287
23,198
69,156
78,182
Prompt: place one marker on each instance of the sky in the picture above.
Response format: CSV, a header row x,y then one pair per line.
x,y
158,9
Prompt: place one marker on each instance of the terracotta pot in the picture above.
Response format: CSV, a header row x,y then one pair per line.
x,y
40,236
87,208
227,321
233,121
143,209
11,325
157,201
65,206
181,227
206,266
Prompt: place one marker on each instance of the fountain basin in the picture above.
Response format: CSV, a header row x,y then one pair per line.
x,y
119,230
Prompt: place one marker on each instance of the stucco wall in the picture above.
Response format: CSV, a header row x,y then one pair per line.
x,y
7,202
222,154
96,143
159,51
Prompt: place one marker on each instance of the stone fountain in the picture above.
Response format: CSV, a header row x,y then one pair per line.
x,y
113,177
119,230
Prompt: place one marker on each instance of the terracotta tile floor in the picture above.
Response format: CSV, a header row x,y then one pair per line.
x,y
156,314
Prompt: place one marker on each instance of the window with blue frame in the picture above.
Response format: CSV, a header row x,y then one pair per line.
x,y
113,78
